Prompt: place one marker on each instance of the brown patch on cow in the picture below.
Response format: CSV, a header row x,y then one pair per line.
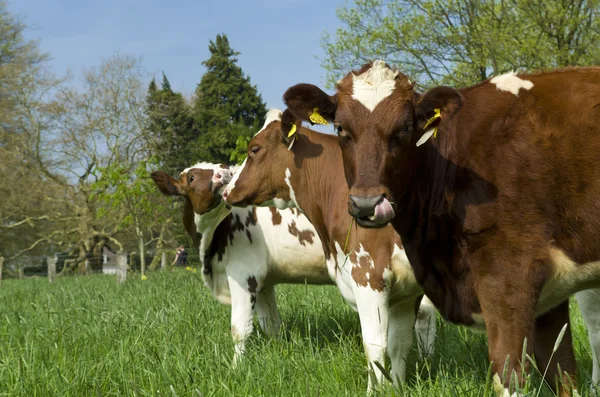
x,y
251,219
304,236
275,216
365,274
252,285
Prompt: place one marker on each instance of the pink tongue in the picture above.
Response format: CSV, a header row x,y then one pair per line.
x,y
383,212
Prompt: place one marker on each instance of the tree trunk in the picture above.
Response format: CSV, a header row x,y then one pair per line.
x,y
163,261
1,268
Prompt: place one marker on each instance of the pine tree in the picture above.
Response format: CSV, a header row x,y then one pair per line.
x,y
227,108
171,130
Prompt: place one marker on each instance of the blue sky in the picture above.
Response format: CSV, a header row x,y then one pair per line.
x,y
279,39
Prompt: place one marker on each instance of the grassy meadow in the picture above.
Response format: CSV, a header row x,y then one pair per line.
x,y
165,336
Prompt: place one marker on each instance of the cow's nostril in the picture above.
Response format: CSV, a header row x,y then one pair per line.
x,y
218,176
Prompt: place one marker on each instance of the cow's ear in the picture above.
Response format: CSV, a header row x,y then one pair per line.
x,y
443,100
310,103
290,126
437,104
433,107
166,184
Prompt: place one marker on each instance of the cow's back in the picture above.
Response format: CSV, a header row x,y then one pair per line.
x,y
538,152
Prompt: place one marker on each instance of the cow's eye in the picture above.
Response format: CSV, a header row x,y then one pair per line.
x,y
255,149
191,178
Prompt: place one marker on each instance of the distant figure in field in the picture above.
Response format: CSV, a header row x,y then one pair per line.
x,y
180,257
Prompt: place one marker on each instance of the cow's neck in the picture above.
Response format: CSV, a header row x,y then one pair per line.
x,y
213,229
429,217
322,192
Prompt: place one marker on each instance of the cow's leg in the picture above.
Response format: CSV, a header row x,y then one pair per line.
x,y
243,299
425,328
547,330
372,306
508,306
268,314
589,305
400,337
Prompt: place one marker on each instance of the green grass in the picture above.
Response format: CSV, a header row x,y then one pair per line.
x,y
165,336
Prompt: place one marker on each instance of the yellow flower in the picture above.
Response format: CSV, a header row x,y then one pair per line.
x,y
188,268
144,277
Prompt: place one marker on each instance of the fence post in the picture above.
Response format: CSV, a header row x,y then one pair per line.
x,y
52,268
163,261
121,267
21,270
87,267
1,268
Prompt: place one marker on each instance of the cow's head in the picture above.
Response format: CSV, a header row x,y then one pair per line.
x,y
202,184
379,119
264,179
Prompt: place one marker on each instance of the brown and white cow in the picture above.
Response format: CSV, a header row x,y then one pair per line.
x,y
494,189
245,252
368,266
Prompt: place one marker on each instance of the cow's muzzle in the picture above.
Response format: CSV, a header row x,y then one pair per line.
x,y
371,211
220,180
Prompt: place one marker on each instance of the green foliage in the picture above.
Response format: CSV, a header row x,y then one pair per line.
x,y
240,152
170,131
461,42
226,106
167,336
132,191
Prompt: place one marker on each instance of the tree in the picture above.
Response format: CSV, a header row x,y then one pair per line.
x,y
95,132
170,130
461,42
27,196
226,106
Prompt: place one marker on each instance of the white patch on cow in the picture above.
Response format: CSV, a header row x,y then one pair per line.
x,y
567,278
589,302
374,85
204,166
339,267
272,115
373,311
288,175
511,82
234,178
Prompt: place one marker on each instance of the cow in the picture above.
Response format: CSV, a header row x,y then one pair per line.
x,y
244,252
370,268
494,190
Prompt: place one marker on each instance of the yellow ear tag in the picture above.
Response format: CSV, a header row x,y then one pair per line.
x,y
436,116
316,117
433,131
292,131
